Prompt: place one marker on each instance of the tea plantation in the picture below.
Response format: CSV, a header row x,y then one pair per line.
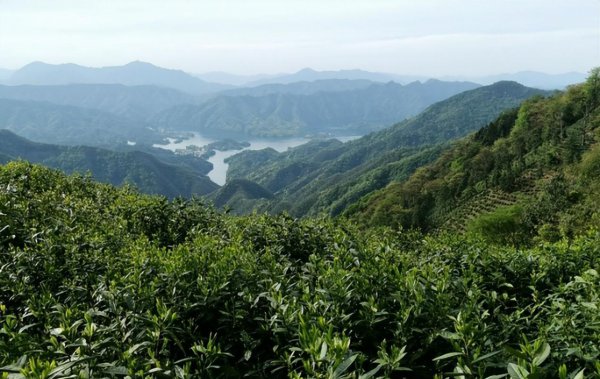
x,y
100,282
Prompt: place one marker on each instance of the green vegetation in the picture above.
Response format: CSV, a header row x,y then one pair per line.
x,y
531,174
501,281
153,171
135,102
103,282
237,191
68,125
284,114
329,177
227,144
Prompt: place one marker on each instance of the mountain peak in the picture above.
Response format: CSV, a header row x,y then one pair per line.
x,y
36,64
507,83
134,73
139,64
306,70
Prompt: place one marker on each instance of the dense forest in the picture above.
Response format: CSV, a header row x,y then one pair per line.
x,y
99,281
299,110
328,177
533,172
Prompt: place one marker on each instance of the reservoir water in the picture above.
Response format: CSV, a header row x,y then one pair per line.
x,y
219,172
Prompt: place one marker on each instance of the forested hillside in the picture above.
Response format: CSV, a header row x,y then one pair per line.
x,y
133,102
151,172
69,125
329,176
534,172
103,282
284,114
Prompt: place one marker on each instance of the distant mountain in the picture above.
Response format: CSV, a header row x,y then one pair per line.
x,y
308,75
135,102
231,79
5,74
300,88
354,111
330,176
61,124
532,173
141,169
132,74
529,78
539,79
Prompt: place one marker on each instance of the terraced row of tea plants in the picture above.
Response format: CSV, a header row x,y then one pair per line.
x,y
103,282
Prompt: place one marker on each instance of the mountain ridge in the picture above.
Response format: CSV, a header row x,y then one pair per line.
x,y
132,73
331,177
141,169
70,125
134,102
531,173
350,112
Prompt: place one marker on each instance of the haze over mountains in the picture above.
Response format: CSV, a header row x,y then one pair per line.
x,y
5,74
135,102
353,111
308,74
133,73
162,99
69,125
148,172
363,189
143,73
530,79
330,176
131,107
527,78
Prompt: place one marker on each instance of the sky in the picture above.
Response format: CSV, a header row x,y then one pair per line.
x,y
412,37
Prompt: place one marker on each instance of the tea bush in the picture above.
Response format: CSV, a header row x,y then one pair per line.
x,y
103,282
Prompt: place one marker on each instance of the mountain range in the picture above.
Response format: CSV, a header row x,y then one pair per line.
x,y
352,111
134,102
528,78
142,73
232,79
531,173
300,88
134,73
129,108
140,169
69,125
308,74
330,176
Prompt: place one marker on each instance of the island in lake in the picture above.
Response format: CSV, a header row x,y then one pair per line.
x,y
208,150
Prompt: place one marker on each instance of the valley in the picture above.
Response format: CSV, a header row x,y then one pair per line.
x,y
299,190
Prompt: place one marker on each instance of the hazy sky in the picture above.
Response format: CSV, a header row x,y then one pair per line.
x,y
426,37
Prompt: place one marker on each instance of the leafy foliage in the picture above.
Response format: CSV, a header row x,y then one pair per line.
x,y
540,159
329,177
97,281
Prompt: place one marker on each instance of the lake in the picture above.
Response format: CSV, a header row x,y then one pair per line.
x,y
219,171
